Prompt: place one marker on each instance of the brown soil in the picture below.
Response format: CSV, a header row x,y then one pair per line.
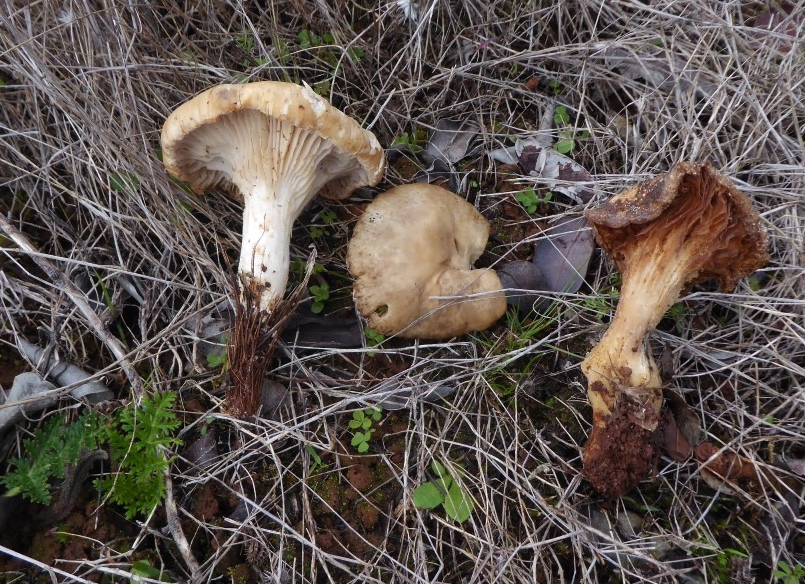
x,y
620,454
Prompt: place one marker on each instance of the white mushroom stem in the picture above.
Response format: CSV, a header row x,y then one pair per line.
x,y
277,178
265,250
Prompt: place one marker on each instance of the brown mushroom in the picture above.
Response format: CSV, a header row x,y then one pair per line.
x,y
411,256
690,225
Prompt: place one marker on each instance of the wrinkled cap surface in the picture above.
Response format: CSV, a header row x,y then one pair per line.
x,y
209,141
414,244
694,211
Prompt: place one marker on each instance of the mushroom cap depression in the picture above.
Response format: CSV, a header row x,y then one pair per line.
x,y
413,247
203,139
694,211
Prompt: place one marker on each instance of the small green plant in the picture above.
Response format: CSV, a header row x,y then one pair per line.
x,y
446,491
47,455
320,294
138,438
373,338
362,422
322,46
123,181
567,134
215,361
520,333
719,568
316,464
408,142
677,314
787,574
309,40
327,218
317,231
246,42
603,303
531,201
141,569
298,267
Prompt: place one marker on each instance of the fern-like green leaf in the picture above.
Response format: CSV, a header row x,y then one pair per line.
x,y
138,442
47,454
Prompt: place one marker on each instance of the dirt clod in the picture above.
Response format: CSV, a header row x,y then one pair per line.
x,y
620,454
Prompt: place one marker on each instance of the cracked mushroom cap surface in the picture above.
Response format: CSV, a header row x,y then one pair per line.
x,y
209,141
693,211
411,255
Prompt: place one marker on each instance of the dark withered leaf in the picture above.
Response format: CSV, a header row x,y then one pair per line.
x,y
687,422
562,174
323,332
450,141
521,280
438,171
204,451
564,254
673,440
273,397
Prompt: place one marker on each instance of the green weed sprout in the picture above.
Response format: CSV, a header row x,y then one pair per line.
x,y
246,42
322,45
373,338
316,463
444,491
327,218
530,200
138,438
320,293
361,423
215,361
142,569
567,134
408,142
788,574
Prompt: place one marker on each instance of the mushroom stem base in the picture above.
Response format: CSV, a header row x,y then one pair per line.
x,y
621,450
251,346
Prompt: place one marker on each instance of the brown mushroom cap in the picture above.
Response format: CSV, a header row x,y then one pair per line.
x,y
693,210
200,137
413,247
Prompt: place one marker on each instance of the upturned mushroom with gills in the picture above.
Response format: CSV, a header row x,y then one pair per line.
x,y
664,235
273,146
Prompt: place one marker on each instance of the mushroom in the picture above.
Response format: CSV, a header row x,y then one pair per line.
x,y
411,256
688,226
273,146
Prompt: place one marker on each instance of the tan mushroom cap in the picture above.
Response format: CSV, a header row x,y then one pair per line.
x,y
693,211
414,246
201,133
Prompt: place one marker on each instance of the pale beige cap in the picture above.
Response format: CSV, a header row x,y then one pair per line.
x,y
412,254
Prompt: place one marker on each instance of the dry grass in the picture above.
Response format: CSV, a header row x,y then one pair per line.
x,y
86,87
